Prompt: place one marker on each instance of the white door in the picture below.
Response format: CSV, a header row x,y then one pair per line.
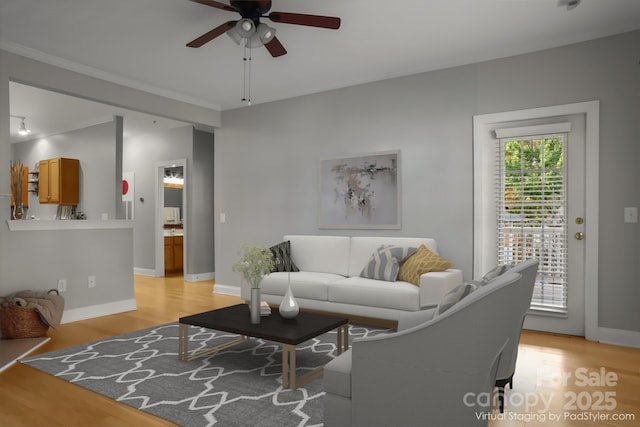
x,y
559,240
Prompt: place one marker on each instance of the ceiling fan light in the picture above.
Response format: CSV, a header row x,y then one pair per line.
x,y
245,28
233,34
266,33
254,41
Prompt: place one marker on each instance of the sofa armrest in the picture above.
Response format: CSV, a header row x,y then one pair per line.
x,y
434,285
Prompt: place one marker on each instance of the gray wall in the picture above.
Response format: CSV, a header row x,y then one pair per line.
x,y
35,260
94,146
201,255
266,156
141,153
173,198
39,258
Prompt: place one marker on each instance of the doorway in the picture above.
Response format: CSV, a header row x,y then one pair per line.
x,y
581,216
171,217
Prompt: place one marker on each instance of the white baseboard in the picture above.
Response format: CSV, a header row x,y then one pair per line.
x,y
619,337
83,313
144,272
219,288
199,277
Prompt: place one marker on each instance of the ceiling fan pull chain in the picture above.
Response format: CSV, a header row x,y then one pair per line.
x,y
249,79
244,78
246,89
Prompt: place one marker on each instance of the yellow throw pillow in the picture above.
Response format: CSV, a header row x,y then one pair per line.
x,y
423,261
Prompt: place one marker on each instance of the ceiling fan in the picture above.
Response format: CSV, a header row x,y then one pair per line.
x,y
252,31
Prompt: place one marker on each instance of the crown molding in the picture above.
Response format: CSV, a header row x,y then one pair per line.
x,y
56,61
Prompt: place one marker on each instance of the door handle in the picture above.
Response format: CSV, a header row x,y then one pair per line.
x,y
579,235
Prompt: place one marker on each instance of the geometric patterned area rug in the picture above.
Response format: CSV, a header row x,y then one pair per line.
x,y
239,386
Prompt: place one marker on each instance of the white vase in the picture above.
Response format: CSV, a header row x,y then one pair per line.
x,y
255,305
289,306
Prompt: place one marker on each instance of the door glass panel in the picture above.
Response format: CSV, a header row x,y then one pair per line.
x,y
532,213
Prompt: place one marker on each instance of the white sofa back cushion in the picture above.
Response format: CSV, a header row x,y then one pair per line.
x,y
322,254
363,247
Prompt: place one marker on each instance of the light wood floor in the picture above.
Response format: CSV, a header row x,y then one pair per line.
x,y
29,398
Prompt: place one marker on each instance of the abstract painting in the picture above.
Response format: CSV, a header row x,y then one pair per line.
x,y
360,191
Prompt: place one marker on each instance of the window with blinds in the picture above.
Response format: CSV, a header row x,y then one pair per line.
x,y
531,212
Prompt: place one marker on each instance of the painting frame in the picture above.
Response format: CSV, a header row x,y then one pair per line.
x,y
360,191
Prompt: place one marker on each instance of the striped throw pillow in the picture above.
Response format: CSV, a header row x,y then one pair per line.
x,y
385,262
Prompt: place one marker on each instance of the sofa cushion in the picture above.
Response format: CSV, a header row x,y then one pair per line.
x,y
282,257
362,247
375,293
304,284
322,254
421,262
384,263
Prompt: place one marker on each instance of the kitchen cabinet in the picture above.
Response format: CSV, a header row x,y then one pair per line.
x,y
59,181
173,254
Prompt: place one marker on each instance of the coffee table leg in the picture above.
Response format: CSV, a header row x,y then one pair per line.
x,y
183,341
289,366
343,339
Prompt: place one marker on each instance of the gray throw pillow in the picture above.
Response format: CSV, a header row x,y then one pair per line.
x,y
492,274
282,257
453,296
384,263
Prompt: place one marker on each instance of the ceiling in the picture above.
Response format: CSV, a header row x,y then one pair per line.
x,y
141,43
49,113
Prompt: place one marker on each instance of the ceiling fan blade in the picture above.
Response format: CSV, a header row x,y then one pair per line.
x,y
207,37
275,48
216,4
308,20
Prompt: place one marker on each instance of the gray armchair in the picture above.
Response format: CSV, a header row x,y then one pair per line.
x,y
507,367
435,373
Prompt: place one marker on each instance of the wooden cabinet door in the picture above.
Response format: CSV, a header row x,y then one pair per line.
x,y
43,181
54,181
59,181
69,181
168,255
177,253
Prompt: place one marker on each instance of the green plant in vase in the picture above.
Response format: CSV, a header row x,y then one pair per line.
x,y
253,264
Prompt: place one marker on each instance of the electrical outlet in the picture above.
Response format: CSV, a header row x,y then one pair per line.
x,y
631,215
62,285
92,281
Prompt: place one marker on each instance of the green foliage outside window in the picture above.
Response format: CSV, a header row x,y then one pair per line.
x,y
534,180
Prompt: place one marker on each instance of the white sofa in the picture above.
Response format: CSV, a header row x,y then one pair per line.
x,y
329,278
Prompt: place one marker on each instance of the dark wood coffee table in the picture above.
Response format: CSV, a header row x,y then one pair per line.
x,y
288,332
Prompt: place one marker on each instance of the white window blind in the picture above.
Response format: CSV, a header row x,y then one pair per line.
x,y
531,212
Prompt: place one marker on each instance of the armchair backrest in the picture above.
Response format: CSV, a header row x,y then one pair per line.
x,y
529,270
441,372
